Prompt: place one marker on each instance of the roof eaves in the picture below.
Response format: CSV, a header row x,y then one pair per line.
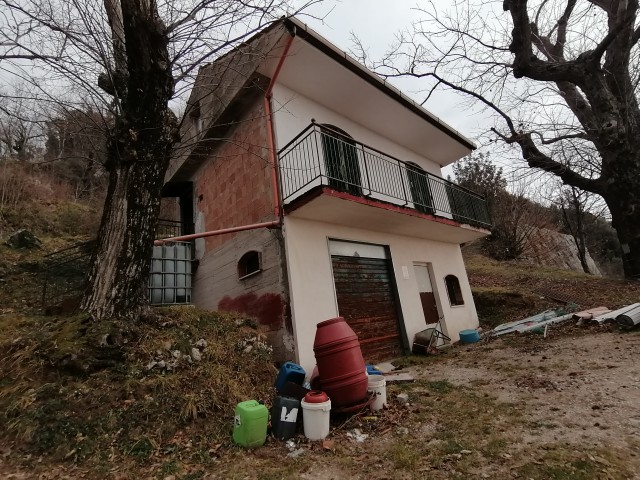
x,y
312,37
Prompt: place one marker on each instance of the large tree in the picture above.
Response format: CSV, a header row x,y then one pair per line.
x,y
126,59
558,76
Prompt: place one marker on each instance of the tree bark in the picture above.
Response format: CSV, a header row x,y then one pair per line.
x,y
138,153
603,100
624,206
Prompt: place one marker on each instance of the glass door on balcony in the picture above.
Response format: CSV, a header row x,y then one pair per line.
x,y
341,160
419,186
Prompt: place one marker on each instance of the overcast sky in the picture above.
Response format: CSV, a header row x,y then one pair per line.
x,y
375,22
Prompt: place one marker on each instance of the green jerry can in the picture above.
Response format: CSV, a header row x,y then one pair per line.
x,y
250,424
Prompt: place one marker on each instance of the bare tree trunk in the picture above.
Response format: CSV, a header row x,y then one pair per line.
x,y
138,153
625,218
589,68
136,75
577,230
120,269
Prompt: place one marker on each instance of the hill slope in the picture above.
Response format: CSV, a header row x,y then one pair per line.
x,y
506,291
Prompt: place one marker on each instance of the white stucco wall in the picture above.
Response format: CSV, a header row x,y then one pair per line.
x,y
293,112
312,290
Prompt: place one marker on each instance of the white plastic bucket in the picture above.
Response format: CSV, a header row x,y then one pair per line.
x,y
315,418
378,386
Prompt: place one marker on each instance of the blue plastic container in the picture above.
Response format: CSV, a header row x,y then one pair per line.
x,y
469,336
372,370
289,372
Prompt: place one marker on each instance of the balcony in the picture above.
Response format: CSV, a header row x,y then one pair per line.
x,y
322,156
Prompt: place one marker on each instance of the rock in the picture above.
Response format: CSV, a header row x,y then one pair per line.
x,y
171,366
202,343
399,378
23,238
195,354
549,248
357,435
151,364
403,398
465,452
386,367
295,453
176,354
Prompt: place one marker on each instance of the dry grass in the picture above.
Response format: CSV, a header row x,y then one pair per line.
x,y
155,423
126,411
507,291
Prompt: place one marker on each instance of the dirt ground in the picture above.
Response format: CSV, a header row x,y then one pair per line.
x,y
561,407
578,392
523,406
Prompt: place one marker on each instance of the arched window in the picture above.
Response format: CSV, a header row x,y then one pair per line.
x,y
453,290
341,160
249,264
419,186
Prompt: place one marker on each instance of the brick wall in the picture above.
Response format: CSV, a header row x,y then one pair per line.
x,y
218,85
233,187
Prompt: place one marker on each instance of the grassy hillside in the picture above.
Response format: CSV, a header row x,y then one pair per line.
x,y
78,394
506,291
166,387
124,401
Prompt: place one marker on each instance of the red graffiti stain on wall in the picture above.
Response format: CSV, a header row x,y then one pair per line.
x,y
267,308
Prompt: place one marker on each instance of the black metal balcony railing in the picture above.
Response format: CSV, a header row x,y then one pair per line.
x,y
320,155
169,228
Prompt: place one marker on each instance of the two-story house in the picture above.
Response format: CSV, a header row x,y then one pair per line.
x,y
314,190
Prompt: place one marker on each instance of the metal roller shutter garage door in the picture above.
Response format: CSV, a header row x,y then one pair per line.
x,y
365,296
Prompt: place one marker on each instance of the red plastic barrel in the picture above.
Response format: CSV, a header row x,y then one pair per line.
x,y
340,362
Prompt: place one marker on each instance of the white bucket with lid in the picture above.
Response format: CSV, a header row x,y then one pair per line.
x,y
378,386
316,408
